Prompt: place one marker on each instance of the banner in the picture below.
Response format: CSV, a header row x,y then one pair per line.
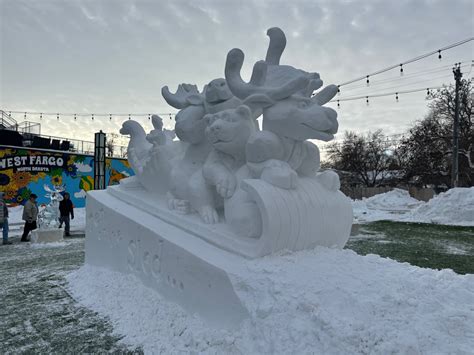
x,y
24,171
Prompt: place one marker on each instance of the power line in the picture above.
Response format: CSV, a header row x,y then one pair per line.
x,y
412,60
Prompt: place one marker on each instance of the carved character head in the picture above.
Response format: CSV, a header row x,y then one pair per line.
x,y
284,94
228,131
217,91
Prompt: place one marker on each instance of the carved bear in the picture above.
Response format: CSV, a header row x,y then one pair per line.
x,y
228,132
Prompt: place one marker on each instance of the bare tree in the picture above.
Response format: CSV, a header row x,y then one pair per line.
x,y
366,157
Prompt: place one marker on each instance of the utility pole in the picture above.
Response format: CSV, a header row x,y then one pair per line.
x,y
455,168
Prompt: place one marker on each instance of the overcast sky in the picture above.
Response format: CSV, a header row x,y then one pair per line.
x,y
114,56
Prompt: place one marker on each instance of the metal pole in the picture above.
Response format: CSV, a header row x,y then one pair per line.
x,y
455,168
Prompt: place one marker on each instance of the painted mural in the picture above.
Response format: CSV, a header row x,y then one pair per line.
x,y
25,171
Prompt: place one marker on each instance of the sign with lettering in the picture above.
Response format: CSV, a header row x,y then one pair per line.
x,y
31,163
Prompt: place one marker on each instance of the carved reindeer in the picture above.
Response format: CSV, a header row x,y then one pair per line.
x,y
290,114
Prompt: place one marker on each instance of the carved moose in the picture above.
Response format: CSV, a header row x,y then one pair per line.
x,y
290,114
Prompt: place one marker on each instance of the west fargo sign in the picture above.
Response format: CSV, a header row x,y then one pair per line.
x,y
31,162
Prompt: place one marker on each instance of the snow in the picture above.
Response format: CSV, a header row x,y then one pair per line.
x,y
314,301
454,207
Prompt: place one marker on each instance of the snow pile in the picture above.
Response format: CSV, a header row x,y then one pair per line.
x,y
455,206
391,205
314,301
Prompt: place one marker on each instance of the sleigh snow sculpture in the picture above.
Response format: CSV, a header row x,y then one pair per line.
x,y
227,189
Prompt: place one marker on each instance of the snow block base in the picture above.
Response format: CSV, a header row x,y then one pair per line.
x,y
47,235
182,267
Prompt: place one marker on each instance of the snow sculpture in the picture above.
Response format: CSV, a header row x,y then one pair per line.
x,y
225,189
48,217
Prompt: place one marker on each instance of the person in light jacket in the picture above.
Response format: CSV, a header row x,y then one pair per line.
x,y
30,214
4,220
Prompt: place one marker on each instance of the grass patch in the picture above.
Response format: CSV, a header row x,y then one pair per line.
x,y
425,245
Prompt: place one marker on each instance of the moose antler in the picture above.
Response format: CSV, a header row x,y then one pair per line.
x,y
277,45
241,89
186,95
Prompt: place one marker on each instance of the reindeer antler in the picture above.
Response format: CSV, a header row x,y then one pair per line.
x,y
277,45
241,89
187,94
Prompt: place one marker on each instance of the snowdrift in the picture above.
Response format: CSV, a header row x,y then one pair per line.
x,y
454,207
313,301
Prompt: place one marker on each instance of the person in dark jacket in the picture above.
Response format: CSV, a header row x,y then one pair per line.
x,y
30,214
66,209
4,220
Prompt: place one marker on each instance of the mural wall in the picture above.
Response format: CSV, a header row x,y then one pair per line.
x,y
24,171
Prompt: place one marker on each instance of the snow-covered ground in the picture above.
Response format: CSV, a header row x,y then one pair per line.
x,y
454,207
315,301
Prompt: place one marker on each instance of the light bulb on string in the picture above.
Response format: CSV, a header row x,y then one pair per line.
x,y
92,117
338,104
41,116
10,114
171,117
396,96
57,116
401,69
24,117
74,117
110,117
427,91
367,81
338,90
149,118
129,116
439,55
367,100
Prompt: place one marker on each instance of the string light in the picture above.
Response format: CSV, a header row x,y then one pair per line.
x,y
401,69
74,117
367,100
41,116
149,118
129,116
110,117
24,117
57,116
396,96
92,117
367,80
170,117
412,60
338,104
338,90
427,91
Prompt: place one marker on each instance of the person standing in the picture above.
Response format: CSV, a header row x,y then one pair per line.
x,y
66,208
4,220
30,214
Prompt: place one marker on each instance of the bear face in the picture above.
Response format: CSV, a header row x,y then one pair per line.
x,y
228,131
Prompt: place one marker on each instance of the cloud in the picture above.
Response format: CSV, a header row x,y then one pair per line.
x,y
83,168
80,194
108,56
